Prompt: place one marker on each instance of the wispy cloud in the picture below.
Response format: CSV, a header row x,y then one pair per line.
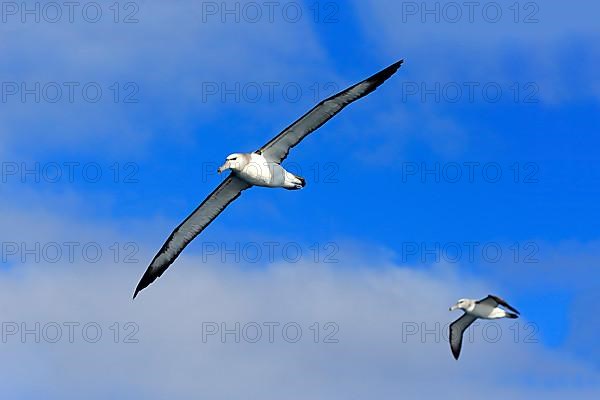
x,y
493,41
122,84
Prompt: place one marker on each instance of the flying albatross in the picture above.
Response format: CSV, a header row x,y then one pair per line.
x,y
485,308
259,168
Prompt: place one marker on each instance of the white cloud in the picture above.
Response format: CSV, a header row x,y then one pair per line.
x,y
370,306
369,298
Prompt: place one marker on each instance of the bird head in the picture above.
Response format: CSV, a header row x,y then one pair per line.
x,y
462,304
234,162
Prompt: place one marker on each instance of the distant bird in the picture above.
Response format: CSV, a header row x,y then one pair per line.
x,y
260,168
485,308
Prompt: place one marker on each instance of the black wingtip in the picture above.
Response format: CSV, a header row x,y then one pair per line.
x,y
137,290
146,280
396,65
455,352
387,72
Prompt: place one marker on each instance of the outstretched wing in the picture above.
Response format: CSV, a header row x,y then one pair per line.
x,y
278,148
457,329
229,190
494,301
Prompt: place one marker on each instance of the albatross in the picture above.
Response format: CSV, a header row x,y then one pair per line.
x,y
259,168
485,308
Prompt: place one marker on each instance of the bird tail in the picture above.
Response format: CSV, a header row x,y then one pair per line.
x,y
297,182
302,180
511,315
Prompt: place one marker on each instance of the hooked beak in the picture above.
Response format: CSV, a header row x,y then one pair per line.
x,y
223,167
454,307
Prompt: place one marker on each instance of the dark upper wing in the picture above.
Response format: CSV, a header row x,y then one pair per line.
x,y
278,148
495,300
229,190
457,329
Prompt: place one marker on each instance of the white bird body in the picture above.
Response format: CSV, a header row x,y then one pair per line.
x,y
480,310
255,169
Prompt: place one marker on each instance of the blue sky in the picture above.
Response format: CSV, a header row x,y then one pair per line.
x,y
533,117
